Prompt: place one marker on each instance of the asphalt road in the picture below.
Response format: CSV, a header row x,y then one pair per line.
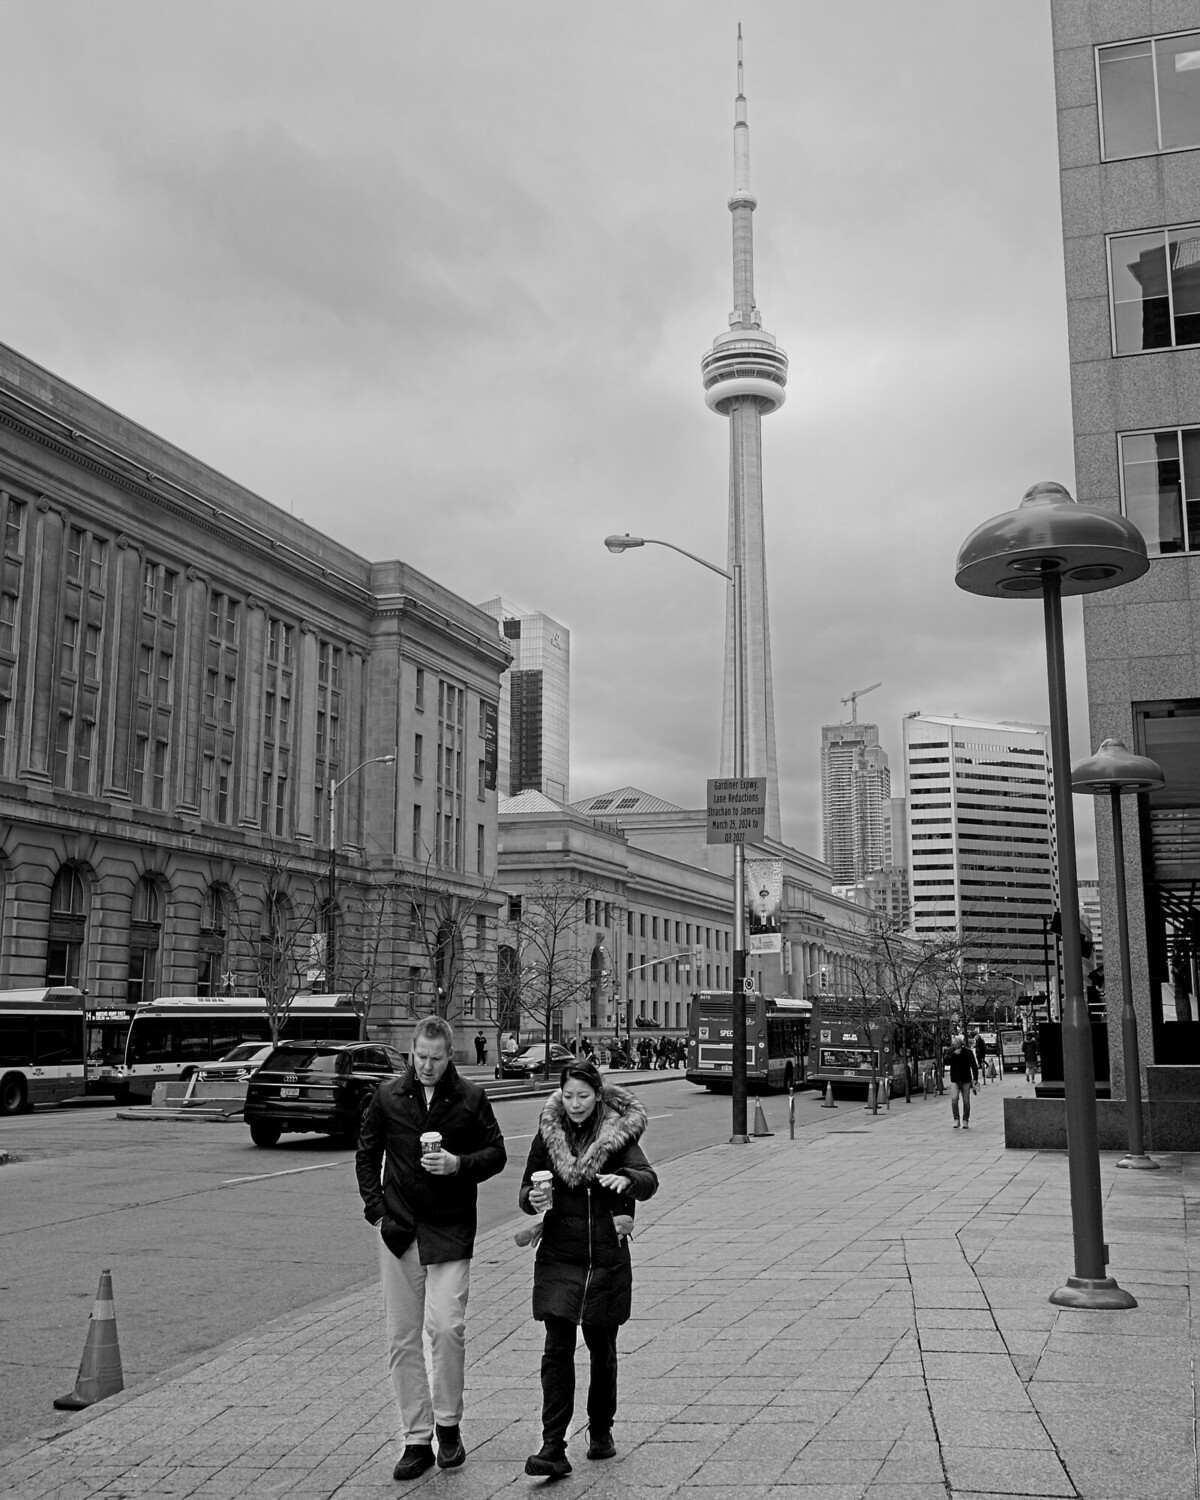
x,y
207,1235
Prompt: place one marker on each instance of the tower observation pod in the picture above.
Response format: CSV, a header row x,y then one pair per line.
x,y
745,375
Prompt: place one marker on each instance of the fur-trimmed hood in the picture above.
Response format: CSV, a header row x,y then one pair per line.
x,y
623,1122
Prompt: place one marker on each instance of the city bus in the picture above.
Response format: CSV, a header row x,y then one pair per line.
x,y
776,1041
170,1038
107,1029
842,1049
42,1050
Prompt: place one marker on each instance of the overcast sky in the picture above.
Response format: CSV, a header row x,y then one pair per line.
x,y
438,278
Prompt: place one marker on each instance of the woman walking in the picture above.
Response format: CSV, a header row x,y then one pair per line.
x,y
588,1141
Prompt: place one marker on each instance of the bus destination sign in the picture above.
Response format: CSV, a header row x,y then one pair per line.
x,y
737,809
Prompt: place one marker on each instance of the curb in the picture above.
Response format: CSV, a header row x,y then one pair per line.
x,y
201,1116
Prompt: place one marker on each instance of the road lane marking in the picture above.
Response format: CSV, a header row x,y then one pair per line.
x,y
290,1172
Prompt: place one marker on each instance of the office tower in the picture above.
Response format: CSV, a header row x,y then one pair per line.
x,y
534,729
1129,154
856,791
744,376
983,854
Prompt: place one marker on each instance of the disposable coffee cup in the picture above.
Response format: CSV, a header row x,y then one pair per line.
x,y
431,1141
544,1181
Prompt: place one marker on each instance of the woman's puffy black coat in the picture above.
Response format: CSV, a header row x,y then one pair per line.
x,y
583,1271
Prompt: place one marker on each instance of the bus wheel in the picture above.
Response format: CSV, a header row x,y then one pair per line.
x,y
265,1133
789,1078
12,1094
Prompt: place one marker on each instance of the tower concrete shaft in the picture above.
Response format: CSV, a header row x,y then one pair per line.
x,y
744,376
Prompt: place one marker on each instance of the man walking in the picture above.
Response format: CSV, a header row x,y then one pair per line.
x,y
964,1071
425,1212
1030,1048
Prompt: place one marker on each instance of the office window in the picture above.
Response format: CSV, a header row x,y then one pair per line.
x,y
420,690
642,924
629,923
480,849
1160,487
417,848
418,749
1149,95
480,931
1155,281
654,927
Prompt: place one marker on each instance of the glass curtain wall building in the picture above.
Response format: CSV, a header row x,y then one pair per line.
x,y
535,707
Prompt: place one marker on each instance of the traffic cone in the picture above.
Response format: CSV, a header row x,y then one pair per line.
x,y
760,1120
100,1368
829,1104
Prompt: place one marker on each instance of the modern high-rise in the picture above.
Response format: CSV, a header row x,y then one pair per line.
x,y
744,376
1129,154
856,797
984,861
535,703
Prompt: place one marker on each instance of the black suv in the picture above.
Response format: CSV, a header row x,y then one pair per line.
x,y
317,1086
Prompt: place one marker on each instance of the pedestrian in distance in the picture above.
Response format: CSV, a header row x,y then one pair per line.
x,y
434,1138
1030,1048
480,1047
964,1078
980,1053
583,1276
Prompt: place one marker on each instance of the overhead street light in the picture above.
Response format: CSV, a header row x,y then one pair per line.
x,y
1116,771
1051,546
621,543
331,933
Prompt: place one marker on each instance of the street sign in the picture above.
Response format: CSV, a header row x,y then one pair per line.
x,y
737,809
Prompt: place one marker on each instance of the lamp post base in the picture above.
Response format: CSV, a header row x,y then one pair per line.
x,y
1093,1292
739,1140
1140,1162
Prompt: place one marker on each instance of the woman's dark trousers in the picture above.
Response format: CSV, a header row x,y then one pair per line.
x,y
558,1378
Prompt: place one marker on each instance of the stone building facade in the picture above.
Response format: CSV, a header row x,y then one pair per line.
x,y
185,672
1128,94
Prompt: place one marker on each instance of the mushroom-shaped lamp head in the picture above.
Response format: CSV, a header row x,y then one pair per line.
x,y
1049,533
1114,768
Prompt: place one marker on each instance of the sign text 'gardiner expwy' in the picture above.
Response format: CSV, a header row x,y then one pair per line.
x,y
737,808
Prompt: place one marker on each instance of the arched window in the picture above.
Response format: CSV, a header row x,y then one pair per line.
x,y
68,916
213,976
145,932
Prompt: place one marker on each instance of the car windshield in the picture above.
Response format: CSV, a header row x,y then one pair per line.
x,y
295,1059
531,1054
242,1053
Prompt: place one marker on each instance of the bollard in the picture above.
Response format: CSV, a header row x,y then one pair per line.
x,y
791,1115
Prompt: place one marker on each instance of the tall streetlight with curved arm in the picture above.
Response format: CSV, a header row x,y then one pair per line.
x,y
331,932
621,543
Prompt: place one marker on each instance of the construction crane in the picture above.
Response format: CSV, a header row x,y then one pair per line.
x,y
858,693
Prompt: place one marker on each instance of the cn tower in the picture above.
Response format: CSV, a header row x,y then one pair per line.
x,y
744,374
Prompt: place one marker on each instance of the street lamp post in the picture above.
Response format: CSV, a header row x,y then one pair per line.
x,y
331,931
1116,771
740,1134
1052,546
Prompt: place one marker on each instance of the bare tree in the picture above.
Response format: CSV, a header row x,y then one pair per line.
x,y
277,933
552,951
439,908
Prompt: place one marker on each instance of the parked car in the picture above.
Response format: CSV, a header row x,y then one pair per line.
x,y
532,1060
237,1065
317,1086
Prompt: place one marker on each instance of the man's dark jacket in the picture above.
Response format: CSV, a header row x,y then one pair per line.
x,y
963,1067
439,1212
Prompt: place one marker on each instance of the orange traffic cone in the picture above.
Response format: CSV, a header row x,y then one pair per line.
x,y
760,1120
100,1368
829,1104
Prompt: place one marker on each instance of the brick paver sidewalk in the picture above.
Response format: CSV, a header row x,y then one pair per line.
x,y
859,1313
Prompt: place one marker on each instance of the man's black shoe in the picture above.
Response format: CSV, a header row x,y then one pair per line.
x,y
416,1458
451,1452
550,1463
601,1445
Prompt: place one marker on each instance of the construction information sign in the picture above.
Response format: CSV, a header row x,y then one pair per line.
x,y
737,809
